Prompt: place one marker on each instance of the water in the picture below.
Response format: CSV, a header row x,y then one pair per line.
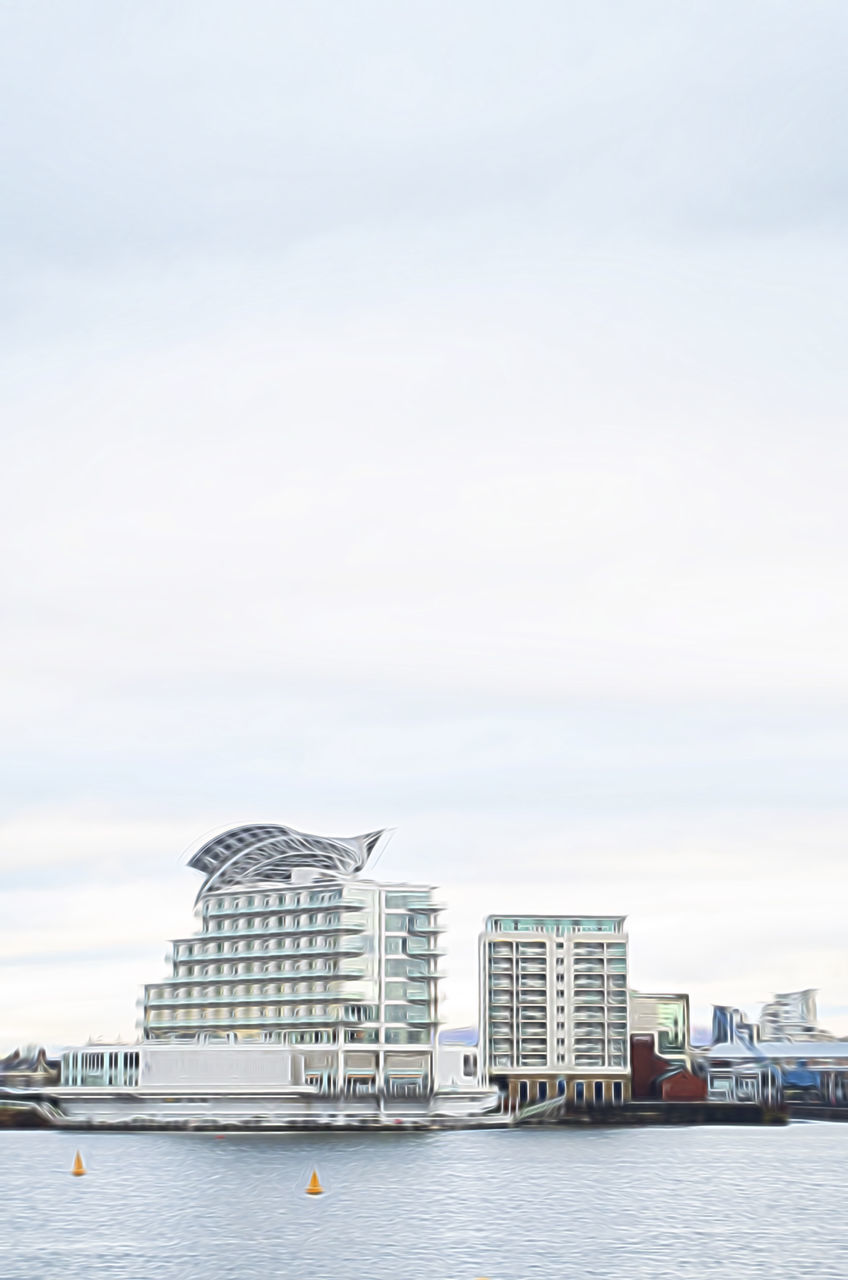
x,y
510,1205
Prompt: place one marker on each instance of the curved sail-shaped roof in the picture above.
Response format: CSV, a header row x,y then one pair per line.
x,y
259,854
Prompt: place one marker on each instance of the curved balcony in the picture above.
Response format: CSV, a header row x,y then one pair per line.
x,y
284,953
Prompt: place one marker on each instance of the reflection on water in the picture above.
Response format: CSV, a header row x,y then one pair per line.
x,y
623,1203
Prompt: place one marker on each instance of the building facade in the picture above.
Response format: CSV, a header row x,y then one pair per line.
x,y
293,948
666,1018
554,1015
730,1025
792,1015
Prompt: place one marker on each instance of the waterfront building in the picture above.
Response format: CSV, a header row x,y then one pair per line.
x,y
666,1018
750,1062
306,994
553,1006
773,1071
293,948
653,1077
792,1015
660,1057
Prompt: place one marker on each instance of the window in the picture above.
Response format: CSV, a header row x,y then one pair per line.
x,y
580,1093
617,1092
402,1035
399,1013
599,1092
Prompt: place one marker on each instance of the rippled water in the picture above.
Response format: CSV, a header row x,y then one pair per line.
x,y
623,1203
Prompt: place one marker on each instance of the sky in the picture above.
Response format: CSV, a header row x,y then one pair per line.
x,y
428,416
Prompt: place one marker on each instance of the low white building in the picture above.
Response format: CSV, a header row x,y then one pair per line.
x,y
174,1082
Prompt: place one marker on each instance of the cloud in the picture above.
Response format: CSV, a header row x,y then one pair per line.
x,y
429,418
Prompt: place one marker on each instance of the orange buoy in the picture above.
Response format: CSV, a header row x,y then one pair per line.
x,y
314,1188
78,1168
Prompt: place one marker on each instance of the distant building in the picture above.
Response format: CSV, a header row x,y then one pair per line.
x,y
666,1018
28,1068
730,1025
554,1008
792,1015
773,1071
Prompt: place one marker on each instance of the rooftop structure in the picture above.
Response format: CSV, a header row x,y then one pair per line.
x,y
268,854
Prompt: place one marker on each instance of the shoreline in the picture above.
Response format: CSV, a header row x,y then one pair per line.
x,y
37,1113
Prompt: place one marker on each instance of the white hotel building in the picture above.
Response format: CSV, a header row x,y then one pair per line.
x,y
292,948
304,989
554,1011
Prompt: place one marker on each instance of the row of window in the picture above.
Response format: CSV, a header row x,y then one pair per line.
x,y
352,1035
298,942
597,1092
312,919
395,946
394,900
249,902
324,966
408,901
118,1069
331,1011
397,923
558,925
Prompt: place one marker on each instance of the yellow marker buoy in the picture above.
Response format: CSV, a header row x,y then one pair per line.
x,y
314,1188
78,1168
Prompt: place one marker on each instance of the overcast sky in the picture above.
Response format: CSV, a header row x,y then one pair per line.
x,y
426,415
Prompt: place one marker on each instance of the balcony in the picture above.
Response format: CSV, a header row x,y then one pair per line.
x,y
235,1022
280,910
294,997
294,931
355,947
